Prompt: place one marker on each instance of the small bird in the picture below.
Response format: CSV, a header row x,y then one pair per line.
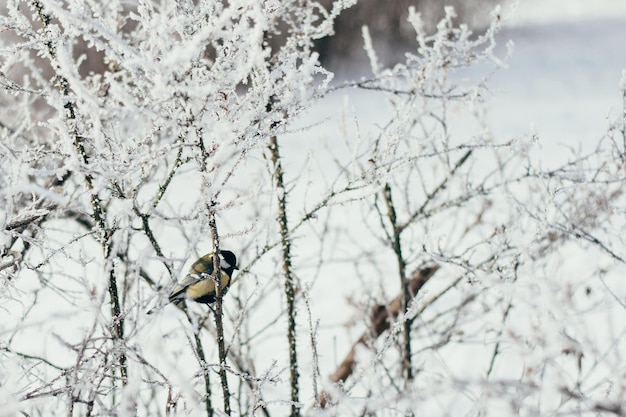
x,y
198,285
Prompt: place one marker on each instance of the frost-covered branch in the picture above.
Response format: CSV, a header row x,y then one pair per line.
x,y
130,132
290,284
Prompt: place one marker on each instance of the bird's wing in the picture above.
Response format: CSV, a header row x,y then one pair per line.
x,y
203,265
199,271
201,289
179,289
198,281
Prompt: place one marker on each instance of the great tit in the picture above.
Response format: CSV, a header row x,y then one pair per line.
x,y
198,285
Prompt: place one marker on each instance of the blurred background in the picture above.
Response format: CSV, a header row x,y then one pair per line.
x,y
391,33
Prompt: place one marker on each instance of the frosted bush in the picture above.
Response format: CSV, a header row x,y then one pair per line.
x,y
137,136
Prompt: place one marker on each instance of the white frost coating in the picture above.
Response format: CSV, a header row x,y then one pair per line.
x,y
369,49
159,113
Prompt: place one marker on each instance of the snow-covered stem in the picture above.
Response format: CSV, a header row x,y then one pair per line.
x,y
204,369
103,232
497,346
420,211
396,246
289,280
315,374
219,313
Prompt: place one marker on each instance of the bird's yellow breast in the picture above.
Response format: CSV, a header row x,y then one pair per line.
x,y
205,287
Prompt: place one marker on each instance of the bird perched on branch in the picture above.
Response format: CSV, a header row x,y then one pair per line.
x,y
199,285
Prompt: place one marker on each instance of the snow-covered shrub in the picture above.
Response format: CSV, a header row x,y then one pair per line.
x,y
137,136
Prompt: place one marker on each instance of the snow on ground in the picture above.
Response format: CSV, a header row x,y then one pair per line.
x,y
532,12
563,79
562,82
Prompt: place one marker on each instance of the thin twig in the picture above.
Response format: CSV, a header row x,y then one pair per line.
x,y
380,322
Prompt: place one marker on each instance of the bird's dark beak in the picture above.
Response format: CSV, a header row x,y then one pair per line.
x,y
236,267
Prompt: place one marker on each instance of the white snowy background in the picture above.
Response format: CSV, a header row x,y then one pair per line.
x,y
561,85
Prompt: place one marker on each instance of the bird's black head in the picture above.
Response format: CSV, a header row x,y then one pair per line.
x,y
228,261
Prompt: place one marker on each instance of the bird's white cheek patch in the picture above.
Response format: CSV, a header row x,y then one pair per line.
x,y
224,264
